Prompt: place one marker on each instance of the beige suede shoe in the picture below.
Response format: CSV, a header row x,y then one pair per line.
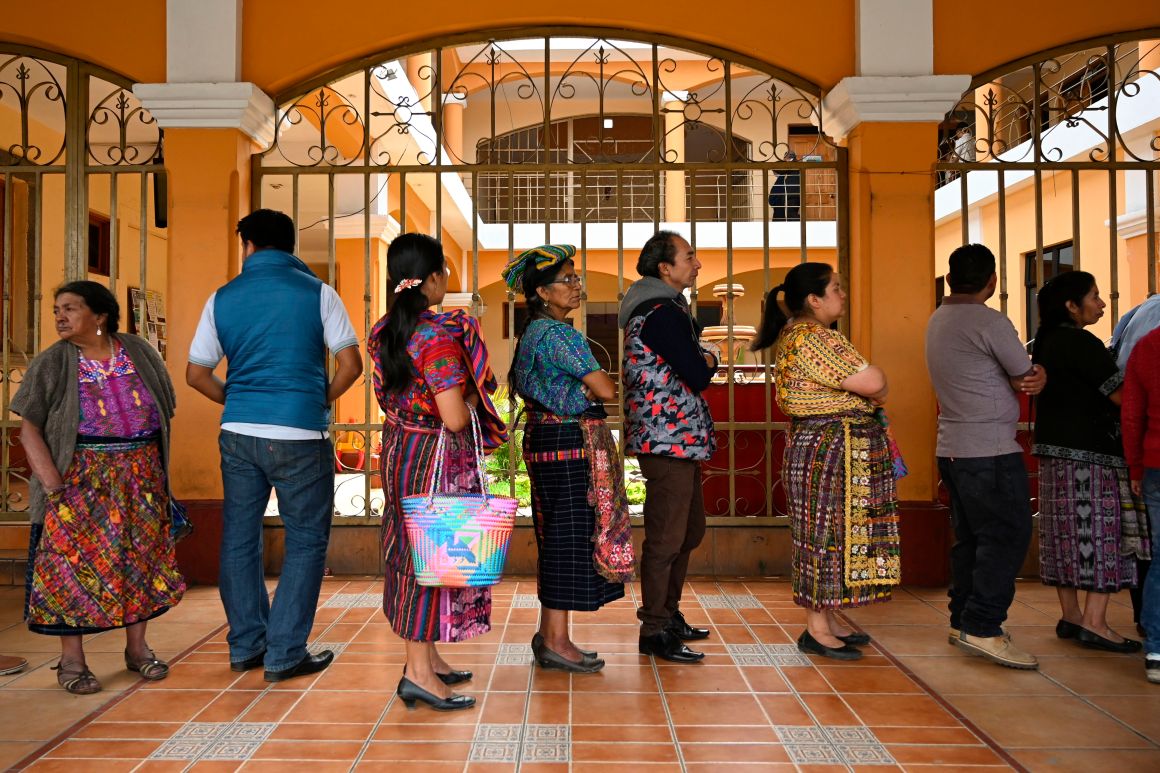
x,y
10,664
997,649
953,635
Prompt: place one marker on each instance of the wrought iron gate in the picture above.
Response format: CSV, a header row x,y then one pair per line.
x,y
78,179
568,135
1077,131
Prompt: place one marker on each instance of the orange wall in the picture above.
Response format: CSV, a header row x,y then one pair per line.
x,y
127,37
281,50
1019,29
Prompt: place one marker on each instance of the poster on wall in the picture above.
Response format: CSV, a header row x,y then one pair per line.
x,y
148,317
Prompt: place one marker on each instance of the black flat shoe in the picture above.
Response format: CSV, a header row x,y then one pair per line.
x,y
538,642
1066,630
411,693
858,637
311,664
666,646
249,663
682,630
549,660
808,644
1094,641
451,677
455,677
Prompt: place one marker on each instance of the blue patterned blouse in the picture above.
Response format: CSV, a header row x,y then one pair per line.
x,y
553,358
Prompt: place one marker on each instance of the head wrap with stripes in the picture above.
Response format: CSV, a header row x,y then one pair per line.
x,y
542,257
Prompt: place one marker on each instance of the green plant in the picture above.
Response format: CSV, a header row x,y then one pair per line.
x,y
505,465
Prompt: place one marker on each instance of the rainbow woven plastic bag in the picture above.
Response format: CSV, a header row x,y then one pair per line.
x,y
458,540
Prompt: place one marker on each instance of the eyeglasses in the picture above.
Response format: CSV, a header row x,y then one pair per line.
x,y
572,280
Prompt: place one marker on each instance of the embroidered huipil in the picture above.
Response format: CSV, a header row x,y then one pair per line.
x,y
553,358
113,400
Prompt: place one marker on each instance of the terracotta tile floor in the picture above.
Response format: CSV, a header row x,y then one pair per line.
x,y
914,703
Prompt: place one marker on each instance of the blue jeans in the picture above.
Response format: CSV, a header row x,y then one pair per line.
x,y
1150,614
302,472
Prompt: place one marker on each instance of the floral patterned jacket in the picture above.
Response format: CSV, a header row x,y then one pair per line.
x,y
663,415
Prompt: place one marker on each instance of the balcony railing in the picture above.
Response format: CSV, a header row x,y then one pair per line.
x,y
603,196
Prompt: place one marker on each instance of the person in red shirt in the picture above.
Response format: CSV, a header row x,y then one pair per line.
x,y
1140,425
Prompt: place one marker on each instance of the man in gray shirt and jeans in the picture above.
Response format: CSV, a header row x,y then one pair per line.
x,y
977,365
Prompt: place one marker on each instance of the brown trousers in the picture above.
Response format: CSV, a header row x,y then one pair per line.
x,y
674,525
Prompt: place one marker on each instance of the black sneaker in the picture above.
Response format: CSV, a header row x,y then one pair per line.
x,y
1152,668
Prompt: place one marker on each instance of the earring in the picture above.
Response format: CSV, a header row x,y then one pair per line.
x,y
98,329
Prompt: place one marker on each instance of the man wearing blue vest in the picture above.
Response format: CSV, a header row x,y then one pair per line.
x,y
274,323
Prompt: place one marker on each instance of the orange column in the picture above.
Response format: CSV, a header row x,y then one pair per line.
x,y
892,279
209,189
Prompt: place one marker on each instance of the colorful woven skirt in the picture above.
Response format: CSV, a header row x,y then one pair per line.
x,y
1091,528
104,556
564,519
843,508
415,612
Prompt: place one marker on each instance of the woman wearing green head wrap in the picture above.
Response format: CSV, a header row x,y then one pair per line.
x,y
578,501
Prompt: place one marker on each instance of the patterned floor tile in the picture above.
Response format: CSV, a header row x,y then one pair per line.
x,y
813,754
524,743
215,741
495,752
786,655
352,600
729,601
749,654
492,733
864,754
514,655
336,647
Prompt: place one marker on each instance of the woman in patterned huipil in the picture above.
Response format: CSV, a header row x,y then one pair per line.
x,y
428,371
1092,529
95,410
579,506
838,468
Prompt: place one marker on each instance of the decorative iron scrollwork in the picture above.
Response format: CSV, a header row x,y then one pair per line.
x,y
29,87
1028,114
120,131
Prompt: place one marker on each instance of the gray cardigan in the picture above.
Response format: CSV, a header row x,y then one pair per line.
x,y
49,397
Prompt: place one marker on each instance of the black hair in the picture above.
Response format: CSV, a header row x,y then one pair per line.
x,y
971,268
802,281
409,256
268,229
98,298
1053,297
533,279
660,248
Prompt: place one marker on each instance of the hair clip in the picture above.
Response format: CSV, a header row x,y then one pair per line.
x,y
407,284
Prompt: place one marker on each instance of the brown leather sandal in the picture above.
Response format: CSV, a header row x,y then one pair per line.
x,y
150,668
76,680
